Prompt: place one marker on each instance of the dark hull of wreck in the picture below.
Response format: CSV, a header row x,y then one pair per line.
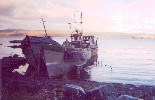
x,y
72,56
77,56
34,54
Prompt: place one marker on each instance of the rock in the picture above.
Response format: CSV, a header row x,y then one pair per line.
x,y
94,94
127,97
153,91
10,63
74,91
103,92
153,97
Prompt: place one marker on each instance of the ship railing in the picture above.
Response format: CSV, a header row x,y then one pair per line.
x,y
77,49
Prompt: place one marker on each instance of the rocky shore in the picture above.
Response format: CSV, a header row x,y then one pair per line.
x,y
22,88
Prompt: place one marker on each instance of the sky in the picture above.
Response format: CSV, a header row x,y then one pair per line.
x,y
98,15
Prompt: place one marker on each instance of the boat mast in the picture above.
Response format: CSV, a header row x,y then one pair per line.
x,y
81,24
44,26
78,30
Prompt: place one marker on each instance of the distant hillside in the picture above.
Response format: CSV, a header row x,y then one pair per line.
x,y
144,36
10,30
20,32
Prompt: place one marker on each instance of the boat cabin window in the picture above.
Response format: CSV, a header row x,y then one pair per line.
x,y
75,38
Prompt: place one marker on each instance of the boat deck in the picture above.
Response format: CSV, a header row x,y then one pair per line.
x,y
56,65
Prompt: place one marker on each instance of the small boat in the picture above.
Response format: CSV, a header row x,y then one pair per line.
x,y
80,48
16,41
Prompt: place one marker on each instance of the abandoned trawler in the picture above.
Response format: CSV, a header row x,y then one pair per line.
x,y
33,47
48,58
81,47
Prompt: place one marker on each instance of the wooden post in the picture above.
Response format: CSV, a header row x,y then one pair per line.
x,y
0,81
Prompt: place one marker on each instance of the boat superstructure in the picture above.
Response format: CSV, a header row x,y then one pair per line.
x,y
80,47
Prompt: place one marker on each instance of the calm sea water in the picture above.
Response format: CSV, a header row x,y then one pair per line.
x,y
132,60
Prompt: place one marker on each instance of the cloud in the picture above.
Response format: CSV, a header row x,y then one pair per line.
x,y
98,15
64,3
1,27
6,9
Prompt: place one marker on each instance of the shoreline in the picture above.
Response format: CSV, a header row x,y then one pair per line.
x,y
45,87
11,87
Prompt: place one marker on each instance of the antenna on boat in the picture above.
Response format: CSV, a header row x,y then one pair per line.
x,y
81,23
77,29
44,26
81,17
